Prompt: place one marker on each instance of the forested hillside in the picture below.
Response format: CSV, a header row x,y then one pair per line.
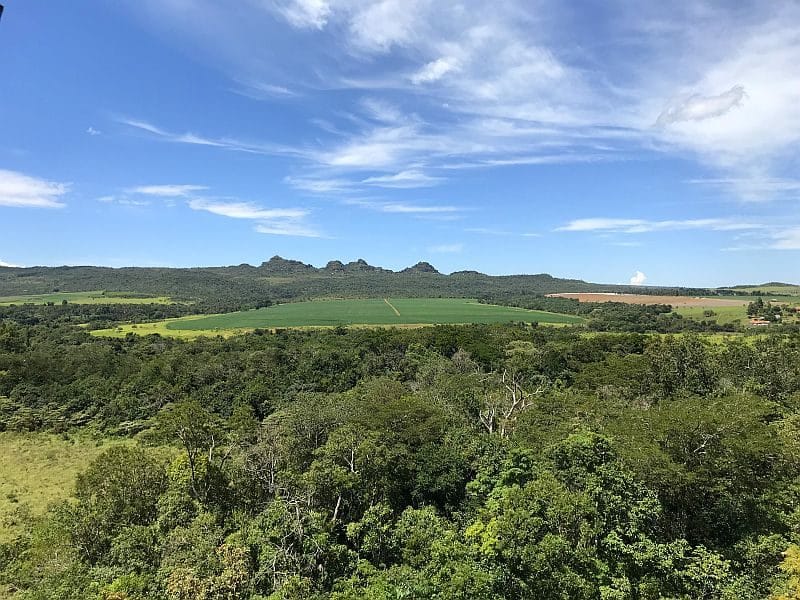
x,y
486,461
245,286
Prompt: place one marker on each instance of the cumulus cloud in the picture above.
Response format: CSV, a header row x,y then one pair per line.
x,y
638,278
23,191
698,108
93,131
167,191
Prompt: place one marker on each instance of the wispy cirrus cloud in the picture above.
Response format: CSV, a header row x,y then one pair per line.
x,y
411,178
406,208
786,239
167,191
290,228
303,14
225,143
699,108
613,225
500,232
273,221
245,210
426,80
755,187
24,191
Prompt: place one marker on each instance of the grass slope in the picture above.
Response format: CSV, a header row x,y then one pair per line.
x,y
38,469
95,297
391,311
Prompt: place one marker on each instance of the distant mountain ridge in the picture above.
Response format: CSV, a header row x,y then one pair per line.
x,y
280,279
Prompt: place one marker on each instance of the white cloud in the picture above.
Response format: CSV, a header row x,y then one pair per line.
x,y
259,90
698,108
167,191
758,53
786,239
22,191
434,70
379,25
381,110
245,210
405,208
401,207
93,131
311,14
644,226
411,178
8,264
446,248
318,185
638,278
272,221
287,228
755,187
224,143
556,93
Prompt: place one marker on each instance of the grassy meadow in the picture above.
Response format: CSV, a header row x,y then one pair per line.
x,y
95,297
38,469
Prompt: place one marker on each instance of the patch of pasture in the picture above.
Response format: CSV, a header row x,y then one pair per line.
x,y
38,469
94,297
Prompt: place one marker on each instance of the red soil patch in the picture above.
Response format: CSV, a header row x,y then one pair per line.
x,y
676,301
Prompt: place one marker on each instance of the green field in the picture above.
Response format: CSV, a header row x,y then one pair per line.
x,y
392,311
722,314
729,314
38,469
95,297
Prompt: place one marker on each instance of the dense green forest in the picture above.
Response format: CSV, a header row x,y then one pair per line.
x,y
485,461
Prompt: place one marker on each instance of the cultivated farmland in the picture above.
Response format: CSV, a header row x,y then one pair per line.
x,y
388,311
332,313
676,301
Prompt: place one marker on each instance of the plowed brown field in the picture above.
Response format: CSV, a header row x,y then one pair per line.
x,y
675,301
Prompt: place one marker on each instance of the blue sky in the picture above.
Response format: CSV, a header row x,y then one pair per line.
x,y
588,139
